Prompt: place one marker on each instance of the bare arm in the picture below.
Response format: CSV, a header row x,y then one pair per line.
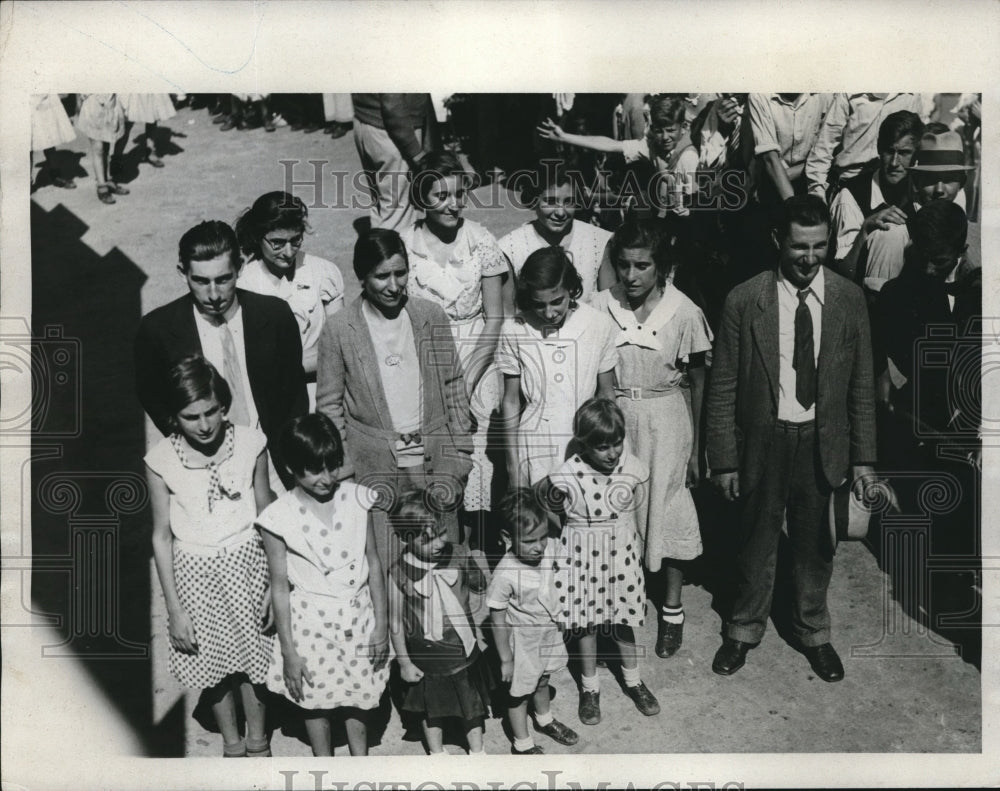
x,y
294,666
501,634
409,672
696,374
606,385
550,130
486,343
379,652
510,413
262,494
606,275
776,172
180,627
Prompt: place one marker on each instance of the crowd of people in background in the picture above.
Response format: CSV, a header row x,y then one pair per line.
x,y
718,296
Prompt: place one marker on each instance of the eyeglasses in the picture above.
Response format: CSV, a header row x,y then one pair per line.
x,y
277,245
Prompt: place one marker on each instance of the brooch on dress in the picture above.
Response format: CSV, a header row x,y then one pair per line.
x,y
393,359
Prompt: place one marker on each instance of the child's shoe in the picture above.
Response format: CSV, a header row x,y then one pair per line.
x,y
590,707
258,749
669,637
534,750
237,750
558,732
643,699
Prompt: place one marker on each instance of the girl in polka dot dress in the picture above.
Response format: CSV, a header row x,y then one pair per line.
x,y
328,589
208,480
597,571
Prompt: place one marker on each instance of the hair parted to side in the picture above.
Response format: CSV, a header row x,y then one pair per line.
x,y
898,125
375,247
598,421
549,174
311,443
647,233
413,514
806,211
435,165
940,225
270,212
666,109
193,378
521,511
206,241
547,267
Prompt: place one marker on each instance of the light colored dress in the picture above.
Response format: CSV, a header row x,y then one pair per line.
x,y
527,594
456,285
558,373
147,108
333,619
585,243
50,125
597,572
317,285
220,570
651,362
101,117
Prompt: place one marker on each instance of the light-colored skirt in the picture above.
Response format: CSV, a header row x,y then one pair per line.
x,y
147,108
50,126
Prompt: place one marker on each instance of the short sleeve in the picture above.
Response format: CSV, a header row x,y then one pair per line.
x,y
158,457
695,334
765,135
634,150
489,255
501,588
507,359
846,218
609,349
252,441
274,517
331,284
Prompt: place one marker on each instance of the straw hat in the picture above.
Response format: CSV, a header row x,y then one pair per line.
x,y
940,154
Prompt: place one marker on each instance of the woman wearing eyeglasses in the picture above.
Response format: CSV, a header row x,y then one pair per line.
x,y
270,234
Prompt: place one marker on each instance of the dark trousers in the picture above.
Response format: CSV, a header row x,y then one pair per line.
x,y
792,489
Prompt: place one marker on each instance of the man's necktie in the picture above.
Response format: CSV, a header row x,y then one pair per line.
x,y
804,360
238,412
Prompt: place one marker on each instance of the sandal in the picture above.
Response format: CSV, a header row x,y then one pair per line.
x,y
66,184
118,189
154,160
104,194
237,750
258,749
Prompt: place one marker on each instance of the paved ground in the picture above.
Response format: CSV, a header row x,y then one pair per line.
x,y
906,689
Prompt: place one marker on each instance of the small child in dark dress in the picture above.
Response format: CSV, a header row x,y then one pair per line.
x,y
431,624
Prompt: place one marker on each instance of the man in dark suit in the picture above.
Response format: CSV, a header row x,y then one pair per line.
x,y
790,415
253,340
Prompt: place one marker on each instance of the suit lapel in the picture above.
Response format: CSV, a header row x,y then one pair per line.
x,y
764,328
368,358
182,325
255,328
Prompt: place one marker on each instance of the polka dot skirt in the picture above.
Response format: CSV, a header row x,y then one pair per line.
x,y
597,577
223,596
332,637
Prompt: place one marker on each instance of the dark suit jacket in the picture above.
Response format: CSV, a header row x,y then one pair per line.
x,y
273,354
742,404
349,391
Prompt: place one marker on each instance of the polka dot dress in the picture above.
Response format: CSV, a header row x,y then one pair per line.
x,y
333,638
597,573
332,615
223,596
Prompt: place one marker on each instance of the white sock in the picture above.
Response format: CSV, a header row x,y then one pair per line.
x,y
543,719
632,676
482,751
590,683
524,744
672,614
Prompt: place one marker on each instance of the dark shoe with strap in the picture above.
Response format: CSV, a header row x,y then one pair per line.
x,y
825,662
590,707
731,656
558,732
669,637
643,699
535,750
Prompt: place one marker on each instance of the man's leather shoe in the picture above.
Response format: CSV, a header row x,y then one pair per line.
x,y
731,656
825,662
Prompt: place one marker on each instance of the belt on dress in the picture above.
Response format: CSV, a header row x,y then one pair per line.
x,y
643,393
216,550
